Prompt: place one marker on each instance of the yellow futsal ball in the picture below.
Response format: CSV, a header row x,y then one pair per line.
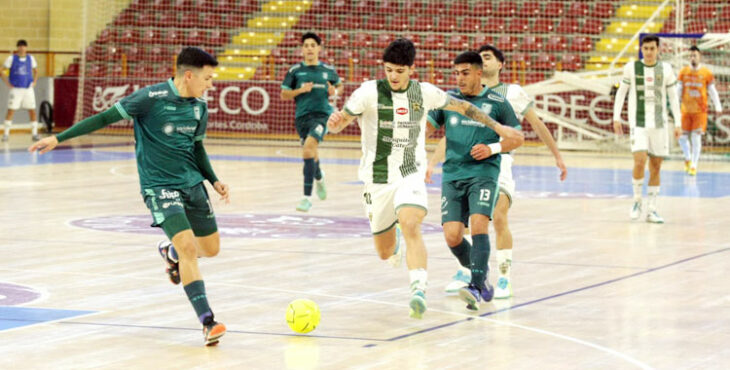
x,y
302,315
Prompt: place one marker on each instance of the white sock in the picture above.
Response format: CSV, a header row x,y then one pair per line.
x,y
419,279
696,148
34,128
652,192
638,185
7,124
684,144
504,261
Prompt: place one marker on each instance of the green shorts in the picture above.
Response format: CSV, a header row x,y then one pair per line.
x,y
462,198
192,204
312,124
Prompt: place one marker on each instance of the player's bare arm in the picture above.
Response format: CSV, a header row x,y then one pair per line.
x,y
291,94
544,134
437,157
44,145
338,121
472,111
222,189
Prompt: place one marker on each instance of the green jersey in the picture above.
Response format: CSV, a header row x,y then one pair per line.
x,y
166,127
317,100
462,133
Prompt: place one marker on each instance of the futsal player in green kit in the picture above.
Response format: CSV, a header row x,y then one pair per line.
x,y
311,83
469,185
170,119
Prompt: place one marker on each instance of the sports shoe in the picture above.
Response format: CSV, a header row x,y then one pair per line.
x,y
213,332
320,188
5,138
397,258
635,210
473,295
461,279
304,205
687,166
654,218
36,137
173,266
692,171
503,290
417,304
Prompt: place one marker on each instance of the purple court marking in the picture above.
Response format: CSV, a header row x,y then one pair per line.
x,y
14,294
259,226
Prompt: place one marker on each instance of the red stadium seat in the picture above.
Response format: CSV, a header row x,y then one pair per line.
x,y
375,22
140,70
457,42
364,7
327,56
481,40
459,8
347,56
506,43
696,27
339,40
166,19
195,37
721,26
531,43
125,18
388,7
725,13
307,22
578,9
96,69
361,75
493,25
433,41
341,7
128,36
161,5
423,24
522,60
545,61
158,54
383,40
470,24
290,39
135,53
553,9
603,10
556,43
351,22
567,25
248,6
280,56
362,40
414,37
190,19
571,62
399,23
152,36
423,58
543,25
116,70
534,77
581,44
174,37
506,9
218,38
446,24
592,26
529,9
413,7
706,11
483,9
444,59
145,19
435,8
371,58
104,36
518,25
327,22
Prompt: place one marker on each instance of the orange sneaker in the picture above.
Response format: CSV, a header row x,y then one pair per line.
x,y
213,332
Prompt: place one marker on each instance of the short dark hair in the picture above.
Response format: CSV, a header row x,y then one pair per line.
x,y
313,36
192,57
694,48
21,42
650,38
470,57
401,52
497,53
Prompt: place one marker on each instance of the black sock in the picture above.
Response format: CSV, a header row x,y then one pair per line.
x,y
197,297
479,259
317,171
308,176
461,252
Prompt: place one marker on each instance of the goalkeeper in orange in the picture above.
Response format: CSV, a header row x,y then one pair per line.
x,y
695,84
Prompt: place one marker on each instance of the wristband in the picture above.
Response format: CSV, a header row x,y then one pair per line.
x,y
496,148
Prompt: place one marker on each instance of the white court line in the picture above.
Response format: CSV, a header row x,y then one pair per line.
x,y
607,350
50,321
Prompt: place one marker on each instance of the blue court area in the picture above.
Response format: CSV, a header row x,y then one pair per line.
x,y
14,317
537,181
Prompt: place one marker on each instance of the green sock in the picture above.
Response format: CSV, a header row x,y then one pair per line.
x,y
196,295
479,259
461,252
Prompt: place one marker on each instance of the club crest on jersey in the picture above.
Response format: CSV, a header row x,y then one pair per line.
x,y
454,120
486,108
324,75
196,112
416,106
402,111
168,128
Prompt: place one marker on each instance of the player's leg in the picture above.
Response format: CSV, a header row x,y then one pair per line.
x,y
199,212
696,137
639,148
378,203
454,217
504,246
14,100
29,104
658,149
318,131
684,140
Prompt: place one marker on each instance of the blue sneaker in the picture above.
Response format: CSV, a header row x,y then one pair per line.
x,y
473,295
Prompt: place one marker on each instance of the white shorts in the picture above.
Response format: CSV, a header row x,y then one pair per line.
x,y
506,182
382,201
19,97
655,141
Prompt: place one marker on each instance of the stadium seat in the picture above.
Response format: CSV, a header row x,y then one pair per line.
x,y
341,7
364,7
281,56
161,5
414,37
698,26
281,73
174,37
706,11
435,8
459,8
603,9
135,53
521,60
218,38
158,54
532,77
413,7
457,42
531,43
327,22
104,36
290,39
444,59
383,40
346,56
483,9
556,43
94,52
433,41
362,40
190,19
307,22
545,61
400,22
247,6
592,26
375,22
361,75
195,37
128,36
212,20
350,22
95,70
146,19
371,58
506,43
117,70
480,40
721,26
518,25
446,24
553,9
126,18
543,25
578,9
571,62
166,19
493,25
725,13
327,56
423,58
529,9
506,9
423,24
567,26
470,24
72,70
140,70
339,40
388,7
151,36
581,44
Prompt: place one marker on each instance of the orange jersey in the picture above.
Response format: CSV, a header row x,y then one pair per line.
x,y
694,89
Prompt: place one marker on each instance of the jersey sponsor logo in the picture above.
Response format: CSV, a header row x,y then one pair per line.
x,y
385,124
196,112
495,97
402,110
381,106
649,79
165,194
157,94
170,107
174,203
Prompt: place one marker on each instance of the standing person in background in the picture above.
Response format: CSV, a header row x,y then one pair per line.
x,y
695,84
650,84
311,83
22,74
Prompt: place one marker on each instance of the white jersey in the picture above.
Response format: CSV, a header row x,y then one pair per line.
x,y
393,127
650,88
517,98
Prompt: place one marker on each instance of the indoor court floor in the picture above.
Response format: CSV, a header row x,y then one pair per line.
x,y
82,284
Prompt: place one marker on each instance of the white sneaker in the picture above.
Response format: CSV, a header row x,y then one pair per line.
x,y
417,304
400,250
36,137
461,279
635,210
503,289
654,218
